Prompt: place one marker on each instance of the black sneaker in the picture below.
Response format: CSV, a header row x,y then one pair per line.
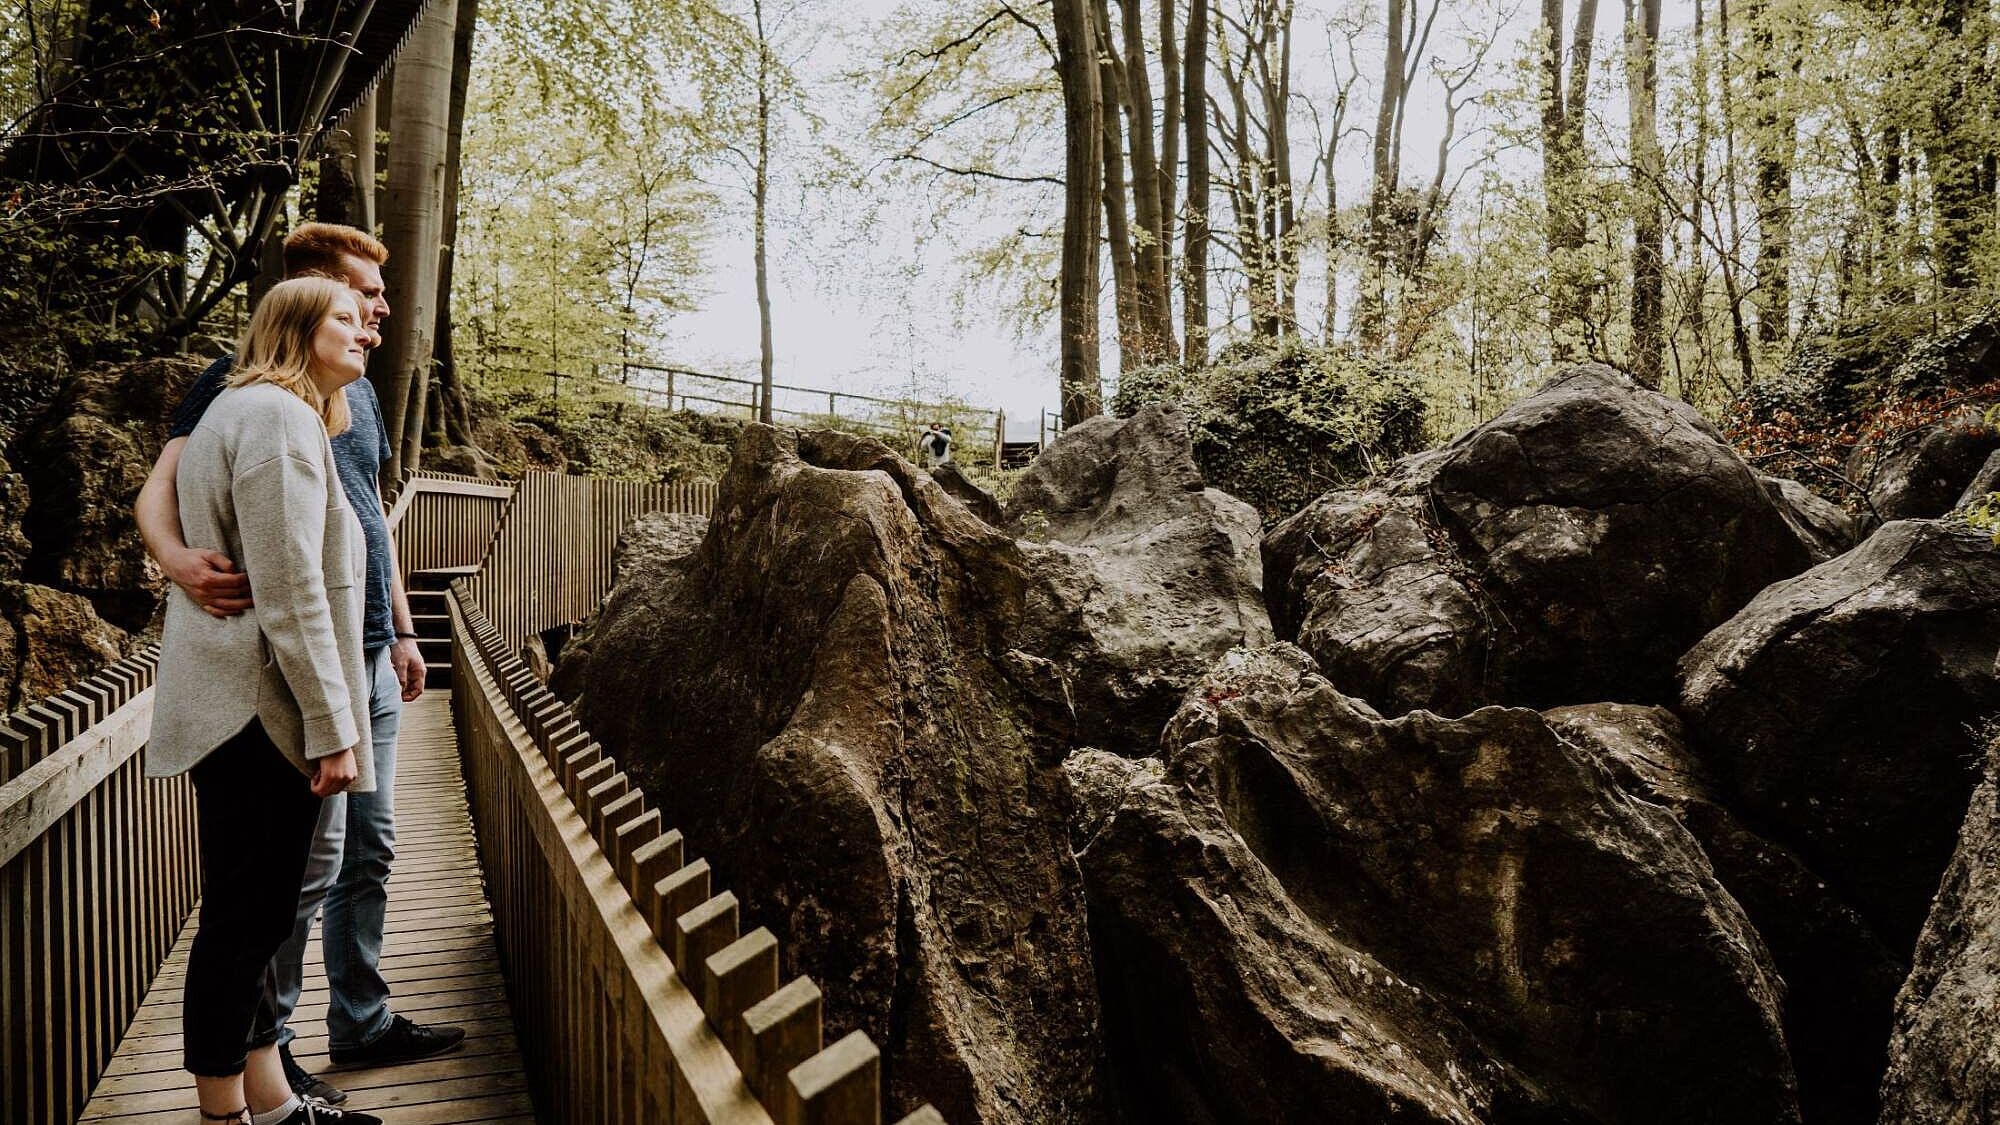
x,y
403,1042
317,1113
308,1085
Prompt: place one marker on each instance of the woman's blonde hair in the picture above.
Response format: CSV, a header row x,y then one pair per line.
x,y
278,346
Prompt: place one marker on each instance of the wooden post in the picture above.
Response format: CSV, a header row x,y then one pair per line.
x,y
841,1085
999,437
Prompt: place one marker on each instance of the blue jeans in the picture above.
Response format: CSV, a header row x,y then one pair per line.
x,y
348,872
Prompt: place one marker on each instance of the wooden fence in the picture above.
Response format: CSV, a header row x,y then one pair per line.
x,y
550,562
440,520
636,998
98,872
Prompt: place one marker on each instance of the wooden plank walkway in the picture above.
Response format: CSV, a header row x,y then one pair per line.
x,y
438,956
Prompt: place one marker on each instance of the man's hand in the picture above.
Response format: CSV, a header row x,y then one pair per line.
x,y
407,661
211,579
334,773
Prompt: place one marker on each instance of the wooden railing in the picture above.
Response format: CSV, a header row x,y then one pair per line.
x,y
635,996
98,872
441,520
550,562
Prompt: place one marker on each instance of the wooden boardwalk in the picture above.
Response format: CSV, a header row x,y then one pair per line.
x,y
438,956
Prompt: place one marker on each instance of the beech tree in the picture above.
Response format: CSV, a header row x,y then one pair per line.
x,y
1083,184
413,207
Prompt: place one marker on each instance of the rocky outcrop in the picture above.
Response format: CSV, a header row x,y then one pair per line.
x,y
1566,552
1225,1002
1417,919
1840,980
85,459
657,544
1984,483
976,499
48,641
1921,474
1822,525
1945,1057
1153,575
1833,711
14,546
648,564
866,743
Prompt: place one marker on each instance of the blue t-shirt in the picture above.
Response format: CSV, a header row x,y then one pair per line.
x,y
358,455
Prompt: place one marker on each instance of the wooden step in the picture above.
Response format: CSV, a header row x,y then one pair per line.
x,y
431,626
437,676
438,577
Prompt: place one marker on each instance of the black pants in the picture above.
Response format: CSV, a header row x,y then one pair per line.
x,y
257,813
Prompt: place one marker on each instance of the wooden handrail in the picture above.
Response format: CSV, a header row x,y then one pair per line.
x,y
636,996
98,872
550,562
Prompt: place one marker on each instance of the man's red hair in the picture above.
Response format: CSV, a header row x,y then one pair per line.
x,y
318,248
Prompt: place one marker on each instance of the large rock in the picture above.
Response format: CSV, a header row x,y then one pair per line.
x,y
1566,552
978,500
1921,474
1157,574
865,740
1822,525
14,546
1984,483
1226,1002
85,459
50,640
1945,1058
1521,941
1840,980
1833,711
657,544
648,564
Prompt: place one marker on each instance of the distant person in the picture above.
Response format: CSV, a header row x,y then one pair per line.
x,y
266,712
935,445
354,842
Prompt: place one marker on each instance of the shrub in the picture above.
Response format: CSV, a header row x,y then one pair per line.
x,y
1278,426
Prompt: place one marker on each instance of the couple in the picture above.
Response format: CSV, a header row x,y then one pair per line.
x,y
287,654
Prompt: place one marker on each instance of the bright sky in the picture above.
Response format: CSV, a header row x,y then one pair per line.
x,y
872,321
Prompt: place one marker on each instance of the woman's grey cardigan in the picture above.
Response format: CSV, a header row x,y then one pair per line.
x,y
257,482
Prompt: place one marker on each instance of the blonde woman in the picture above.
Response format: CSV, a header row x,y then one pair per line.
x,y
265,710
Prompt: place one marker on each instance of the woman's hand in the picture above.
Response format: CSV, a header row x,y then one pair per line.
x,y
335,773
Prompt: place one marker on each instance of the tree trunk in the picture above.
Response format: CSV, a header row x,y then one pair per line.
x,y
335,197
361,128
1727,256
1961,191
450,418
1150,286
1642,32
1697,304
1371,304
1125,267
762,194
1083,185
1773,141
1169,169
1562,169
1194,230
1281,208
1247,200
412,225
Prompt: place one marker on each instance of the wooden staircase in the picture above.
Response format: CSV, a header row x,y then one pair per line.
x,y
1018,454
429,594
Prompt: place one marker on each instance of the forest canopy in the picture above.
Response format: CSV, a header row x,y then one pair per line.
x,y
1700,194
